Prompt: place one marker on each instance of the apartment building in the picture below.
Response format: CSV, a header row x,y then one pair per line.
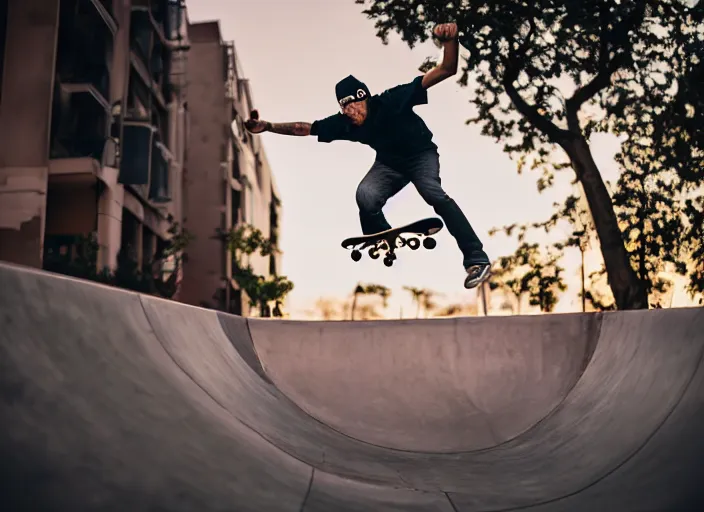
x,y
92,126
228,181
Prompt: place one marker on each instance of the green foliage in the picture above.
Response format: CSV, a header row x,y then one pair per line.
x,y
423,299
374,289
242,242
529,271
369,289
550,74
149,279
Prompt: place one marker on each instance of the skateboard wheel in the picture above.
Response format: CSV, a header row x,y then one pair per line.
x,y
374,253
356,255
388,261
429,243
413,243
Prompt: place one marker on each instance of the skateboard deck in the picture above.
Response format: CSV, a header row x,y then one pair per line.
x,y
391,239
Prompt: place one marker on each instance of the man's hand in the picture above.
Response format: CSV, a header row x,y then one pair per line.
x,y
254,124
445,31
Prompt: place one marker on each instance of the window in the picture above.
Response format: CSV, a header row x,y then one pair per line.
x,y
235,207
129,236
250,200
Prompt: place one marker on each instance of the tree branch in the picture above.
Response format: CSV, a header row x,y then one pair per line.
x,y
530,112
589,90
606,67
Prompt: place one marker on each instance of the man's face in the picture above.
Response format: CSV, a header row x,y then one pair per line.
x,y
356,111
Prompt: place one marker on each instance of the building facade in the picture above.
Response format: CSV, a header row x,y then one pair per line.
x,y
92,127
228,181
118,124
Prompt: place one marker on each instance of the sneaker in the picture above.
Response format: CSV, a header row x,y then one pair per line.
x,y
477,274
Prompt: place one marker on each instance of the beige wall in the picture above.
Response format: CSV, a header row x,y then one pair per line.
x,y
24,127
204,182
79,194
213,150
71,209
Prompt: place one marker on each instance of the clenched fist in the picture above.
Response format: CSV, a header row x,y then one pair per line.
x,y
254,124
445,31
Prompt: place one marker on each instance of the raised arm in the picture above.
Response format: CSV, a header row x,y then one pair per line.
x,y
447,34
256,125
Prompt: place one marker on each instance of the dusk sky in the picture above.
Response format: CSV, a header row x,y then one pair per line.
x,y
293,58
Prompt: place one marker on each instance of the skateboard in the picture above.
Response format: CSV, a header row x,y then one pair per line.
x,y
391,239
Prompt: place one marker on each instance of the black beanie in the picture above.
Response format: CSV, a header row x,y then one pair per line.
x,y
350,86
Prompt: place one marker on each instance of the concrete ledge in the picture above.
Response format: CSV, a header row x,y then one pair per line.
x,y
22,195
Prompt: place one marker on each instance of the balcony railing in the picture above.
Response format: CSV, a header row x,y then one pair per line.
x,y
84,47
104,8
79,126
91,80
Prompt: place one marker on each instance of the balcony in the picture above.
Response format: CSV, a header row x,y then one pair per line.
x,y
93,85
150,57
85,45
80,143
79,125
104,10
82,16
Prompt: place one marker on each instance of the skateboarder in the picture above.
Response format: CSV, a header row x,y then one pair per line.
x,y
405,152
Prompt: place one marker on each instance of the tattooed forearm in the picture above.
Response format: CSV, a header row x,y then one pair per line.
x,y
289,128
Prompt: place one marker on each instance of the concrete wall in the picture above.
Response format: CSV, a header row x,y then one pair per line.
x,y
25,115
222,163
204,179
68,193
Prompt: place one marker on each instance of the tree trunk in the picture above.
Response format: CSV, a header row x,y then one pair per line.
x,y
264,310
584,297
354,305
627,289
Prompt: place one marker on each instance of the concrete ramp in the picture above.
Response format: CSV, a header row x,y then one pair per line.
x,y
441,385
116,401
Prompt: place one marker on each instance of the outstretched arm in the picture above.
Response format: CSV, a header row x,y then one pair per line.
x,y
447,33
256,125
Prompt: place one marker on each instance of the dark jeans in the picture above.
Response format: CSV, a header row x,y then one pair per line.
x,y
384,181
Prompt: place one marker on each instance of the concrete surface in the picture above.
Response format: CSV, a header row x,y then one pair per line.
x,y
116,401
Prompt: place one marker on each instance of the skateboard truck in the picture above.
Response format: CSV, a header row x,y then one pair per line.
x,y
391,240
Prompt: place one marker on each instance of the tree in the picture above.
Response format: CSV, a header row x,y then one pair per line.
x,y
551,73
423,299
242,242
369,289
529,271
678,136
157,276
650,211
327,308
454,309
416,296
429,305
